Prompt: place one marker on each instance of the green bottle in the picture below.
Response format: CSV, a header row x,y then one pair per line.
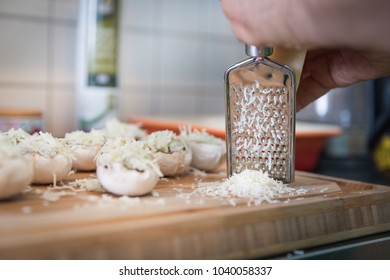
x,y
97,84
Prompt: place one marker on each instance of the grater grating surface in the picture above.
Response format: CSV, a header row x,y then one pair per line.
x,y
261,118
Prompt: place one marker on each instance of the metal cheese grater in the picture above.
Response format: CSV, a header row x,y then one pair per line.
x,y
260,116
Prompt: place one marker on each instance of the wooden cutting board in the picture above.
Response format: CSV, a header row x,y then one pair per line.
x,y
171,224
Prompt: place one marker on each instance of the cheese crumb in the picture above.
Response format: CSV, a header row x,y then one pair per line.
x,y
87,185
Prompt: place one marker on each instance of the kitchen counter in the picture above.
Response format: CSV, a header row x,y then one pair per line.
x,y
170,223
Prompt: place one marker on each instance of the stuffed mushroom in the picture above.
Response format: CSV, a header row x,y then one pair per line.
x,y
52,158
126,167
208,151
16,170
171,152
85,147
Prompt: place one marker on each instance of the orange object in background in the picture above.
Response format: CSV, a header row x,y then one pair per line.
x,y
30,120
310,137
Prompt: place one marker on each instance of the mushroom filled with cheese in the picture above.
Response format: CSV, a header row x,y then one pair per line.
x,y
85,147
115,128
126,167
16,170
171,152
208,151
15,136
52,158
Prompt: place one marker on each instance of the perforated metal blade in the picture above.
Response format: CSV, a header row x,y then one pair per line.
x,y
260,118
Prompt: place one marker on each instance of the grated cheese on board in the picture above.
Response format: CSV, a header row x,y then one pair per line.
x,y
253,185
87,185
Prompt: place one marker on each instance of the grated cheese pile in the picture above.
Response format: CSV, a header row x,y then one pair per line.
x,y
254,186
116,128
200,136
46,145
92,138
86,185
7,149
129,152
15,136
165,141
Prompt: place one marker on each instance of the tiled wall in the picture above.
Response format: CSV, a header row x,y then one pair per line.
x,y
172,57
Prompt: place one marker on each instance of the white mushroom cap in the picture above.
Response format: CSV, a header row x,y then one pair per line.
x,y
175,163
48,170
126,167
52,158
85,147
171,152
120,180
16,171
84,157
208,151
207,157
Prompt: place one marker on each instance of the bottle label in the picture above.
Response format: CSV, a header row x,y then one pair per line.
x,y
102,44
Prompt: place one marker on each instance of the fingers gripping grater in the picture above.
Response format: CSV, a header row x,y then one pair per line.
x,y
260,116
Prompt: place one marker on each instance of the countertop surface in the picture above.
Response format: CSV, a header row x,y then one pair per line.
x,y
174,223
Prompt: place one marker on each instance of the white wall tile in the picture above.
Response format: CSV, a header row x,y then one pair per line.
x,y
218,57
60,117
178,101
29,98
180,15
136,102
23,51
211,100
136,63
213,20
25,7
62,53
179,61
65,9
138,13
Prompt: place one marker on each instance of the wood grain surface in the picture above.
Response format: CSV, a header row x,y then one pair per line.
x,y
171,224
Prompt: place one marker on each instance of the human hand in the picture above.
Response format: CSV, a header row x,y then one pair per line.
x,y
346,40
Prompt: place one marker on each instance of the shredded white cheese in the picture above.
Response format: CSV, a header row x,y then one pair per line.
x,y
50,196
197,172
7,149
252,185
15,136
165,141
115,128
132,154
44,144
87,185
199,136
92,138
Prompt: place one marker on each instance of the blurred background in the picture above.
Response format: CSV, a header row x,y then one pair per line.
x,y
171,58
170,52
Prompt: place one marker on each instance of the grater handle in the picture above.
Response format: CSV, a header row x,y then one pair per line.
x,y
254,51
